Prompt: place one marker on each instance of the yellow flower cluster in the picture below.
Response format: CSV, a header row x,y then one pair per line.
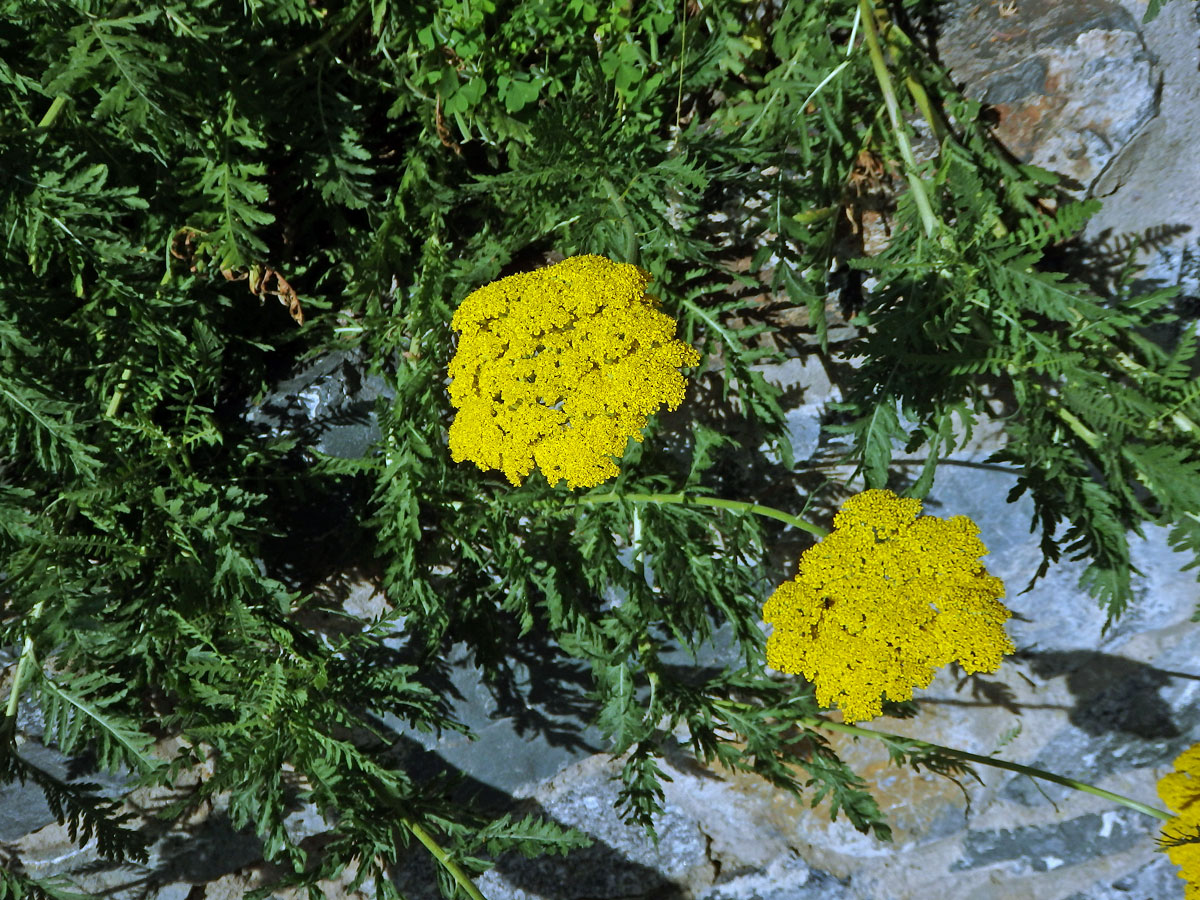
x,y
560,367
884,601
1180,791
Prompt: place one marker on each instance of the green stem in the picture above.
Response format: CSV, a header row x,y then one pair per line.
x,y
115,403
387,791
9,726
867,8
52,113
1133,369
682,59
921,98
631,248
1081,431
897,38
820,722
686,500
645,646
639,558
455,870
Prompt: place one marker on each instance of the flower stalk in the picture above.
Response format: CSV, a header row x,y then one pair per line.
x,y
1031,771
820,721
690,500
56,107
461,878
870,30
858,731
8,727
119,394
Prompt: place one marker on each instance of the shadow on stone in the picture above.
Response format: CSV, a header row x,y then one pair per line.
x,y
329,405
1121,721
1113,694
608,868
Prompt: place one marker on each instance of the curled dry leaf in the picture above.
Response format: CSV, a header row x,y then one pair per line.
x,y
443,131
258,279
183,246
188,246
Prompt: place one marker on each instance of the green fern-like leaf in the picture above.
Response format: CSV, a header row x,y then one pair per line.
x,y
86,815
531,836
17,886
1153,8
236,196
78,712
117,59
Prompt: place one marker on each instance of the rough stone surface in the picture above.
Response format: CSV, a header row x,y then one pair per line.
x,y
543,712
1148,190
1045,848
1071,83
329,406
621,862
807,380
786,877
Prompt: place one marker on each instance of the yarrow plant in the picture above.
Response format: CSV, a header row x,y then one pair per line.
x,y
1180,790
878,605
559,367
883,602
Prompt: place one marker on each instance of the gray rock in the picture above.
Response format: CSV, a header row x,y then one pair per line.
x,y
1147,189
1158,879
1126,715
807,387
1046,847
621,863
23,807
1072,83
524,731
329,405
786,878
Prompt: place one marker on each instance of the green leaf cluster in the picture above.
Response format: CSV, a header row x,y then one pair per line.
x,y
1103,432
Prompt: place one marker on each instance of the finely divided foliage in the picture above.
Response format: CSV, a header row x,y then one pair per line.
x,y
166,564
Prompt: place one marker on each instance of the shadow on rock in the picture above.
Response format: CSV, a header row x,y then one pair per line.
x,y
1113,694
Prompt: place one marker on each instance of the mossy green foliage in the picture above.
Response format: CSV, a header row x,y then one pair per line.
x,y
383,160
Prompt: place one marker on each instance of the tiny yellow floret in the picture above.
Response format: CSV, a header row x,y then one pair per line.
x,y
559,367
1180,791
881,603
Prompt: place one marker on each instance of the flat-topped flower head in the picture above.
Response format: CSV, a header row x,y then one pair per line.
x,y
881,603
559,367
1180,792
